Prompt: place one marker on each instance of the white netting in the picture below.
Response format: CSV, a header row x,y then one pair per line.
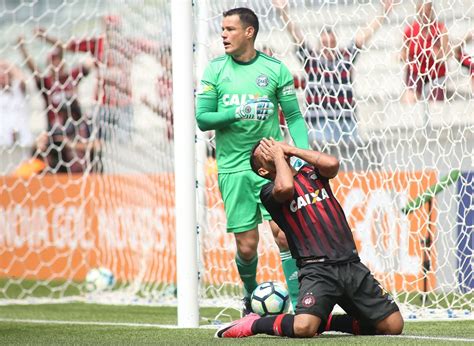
x,y
98,188
119,213
403,142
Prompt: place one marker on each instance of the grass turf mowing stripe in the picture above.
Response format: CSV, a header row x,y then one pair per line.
x,y
90,323
169,326
98,323
432,338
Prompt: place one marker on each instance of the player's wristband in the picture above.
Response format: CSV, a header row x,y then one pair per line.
x,y
297,163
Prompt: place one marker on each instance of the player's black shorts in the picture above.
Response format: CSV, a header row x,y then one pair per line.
x,y
350,285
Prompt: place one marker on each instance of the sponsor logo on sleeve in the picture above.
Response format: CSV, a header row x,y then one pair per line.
x,y
288,90
204,88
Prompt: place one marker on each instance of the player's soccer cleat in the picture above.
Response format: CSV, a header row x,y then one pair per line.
x,y
238,329
246,306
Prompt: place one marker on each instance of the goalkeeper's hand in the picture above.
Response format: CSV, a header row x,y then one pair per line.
x,y
255,109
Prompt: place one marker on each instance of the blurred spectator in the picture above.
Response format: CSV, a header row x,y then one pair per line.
x,y
113,54
331,106
14,111
57,84
66,145
465,59
424,51
70,147
164,92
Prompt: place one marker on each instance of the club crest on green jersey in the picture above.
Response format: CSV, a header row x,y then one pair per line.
x,y
262,80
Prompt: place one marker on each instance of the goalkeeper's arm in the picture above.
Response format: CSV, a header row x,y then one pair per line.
x,y
296,123
208,118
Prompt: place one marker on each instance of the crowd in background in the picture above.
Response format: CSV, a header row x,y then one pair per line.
x,y
331,108
74,139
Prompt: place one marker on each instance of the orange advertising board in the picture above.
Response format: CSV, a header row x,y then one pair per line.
x,y
389,242
57,227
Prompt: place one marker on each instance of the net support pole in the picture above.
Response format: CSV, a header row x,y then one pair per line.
x,y
184,158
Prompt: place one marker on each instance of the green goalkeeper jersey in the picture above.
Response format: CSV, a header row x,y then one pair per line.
x,y
227,84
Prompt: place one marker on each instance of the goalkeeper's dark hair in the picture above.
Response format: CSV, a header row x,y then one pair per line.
x,y
253,159
247,17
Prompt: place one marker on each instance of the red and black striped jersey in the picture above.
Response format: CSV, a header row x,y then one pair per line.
x,y
313,220
328,82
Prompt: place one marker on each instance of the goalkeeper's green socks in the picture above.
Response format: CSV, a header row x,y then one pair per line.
x,y
248,273
291,275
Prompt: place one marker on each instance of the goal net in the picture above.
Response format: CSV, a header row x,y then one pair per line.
x,y
87,177
401,144
116,210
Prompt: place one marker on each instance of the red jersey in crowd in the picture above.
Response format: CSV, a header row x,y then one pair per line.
x,y
423,41
466,61
59,90
113,56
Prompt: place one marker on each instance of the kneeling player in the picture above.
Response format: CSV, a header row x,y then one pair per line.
x,y
319,237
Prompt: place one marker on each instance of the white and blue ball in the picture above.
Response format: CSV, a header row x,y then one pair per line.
x,y
99,279
270,298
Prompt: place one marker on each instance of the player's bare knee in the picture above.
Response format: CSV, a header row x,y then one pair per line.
x,y
247,253
304,331
247,250
392,325
396,326
247,245
305,328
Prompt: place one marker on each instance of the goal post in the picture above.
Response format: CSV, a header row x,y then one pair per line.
x,y
185,169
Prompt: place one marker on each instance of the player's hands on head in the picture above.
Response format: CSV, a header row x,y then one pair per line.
x,y
271,149
287,149
255,109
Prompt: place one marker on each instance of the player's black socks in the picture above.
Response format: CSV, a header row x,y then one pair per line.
x,y
361,327
281,325
347,324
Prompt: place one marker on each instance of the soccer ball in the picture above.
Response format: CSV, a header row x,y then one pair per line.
x,y
270,298
99,279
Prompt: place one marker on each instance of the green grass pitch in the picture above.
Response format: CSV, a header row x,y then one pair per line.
x,y
80,323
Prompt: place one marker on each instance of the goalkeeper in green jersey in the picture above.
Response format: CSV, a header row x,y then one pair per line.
x,y
238,98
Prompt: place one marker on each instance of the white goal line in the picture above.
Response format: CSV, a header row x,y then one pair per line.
x,y
170,326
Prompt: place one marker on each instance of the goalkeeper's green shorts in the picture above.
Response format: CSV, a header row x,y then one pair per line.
x,y
241,194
